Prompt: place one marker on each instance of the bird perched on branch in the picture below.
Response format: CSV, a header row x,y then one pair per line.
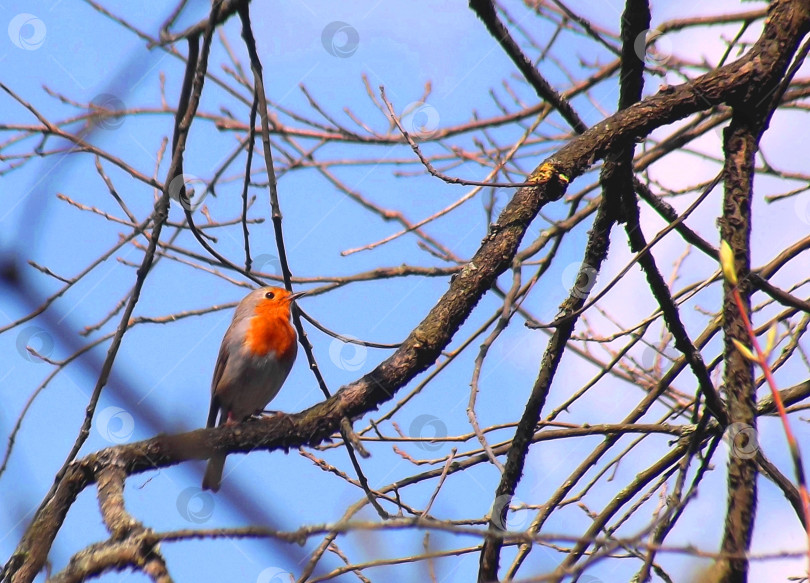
x,y
256,356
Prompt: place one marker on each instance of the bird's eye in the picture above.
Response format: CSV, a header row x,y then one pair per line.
x,y
269,295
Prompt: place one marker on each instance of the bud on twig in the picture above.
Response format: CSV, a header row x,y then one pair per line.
x,y
727,262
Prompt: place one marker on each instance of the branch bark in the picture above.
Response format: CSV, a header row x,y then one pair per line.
x,y
737,83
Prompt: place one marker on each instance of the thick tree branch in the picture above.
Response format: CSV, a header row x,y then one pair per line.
x,y
762,66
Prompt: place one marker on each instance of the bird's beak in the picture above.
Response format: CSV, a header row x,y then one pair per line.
x,y
297,295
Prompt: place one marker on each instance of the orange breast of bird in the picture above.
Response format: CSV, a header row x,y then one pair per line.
x,y
270,330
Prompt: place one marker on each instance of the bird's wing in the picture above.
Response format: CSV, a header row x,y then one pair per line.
x,y
222,361
213,411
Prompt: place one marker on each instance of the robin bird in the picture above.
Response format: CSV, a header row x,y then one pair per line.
x,y
256,356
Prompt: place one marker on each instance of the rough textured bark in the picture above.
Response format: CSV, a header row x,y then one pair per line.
x,y
735,227
751,115
737,83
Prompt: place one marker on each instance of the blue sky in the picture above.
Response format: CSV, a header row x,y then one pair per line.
x,y
160,381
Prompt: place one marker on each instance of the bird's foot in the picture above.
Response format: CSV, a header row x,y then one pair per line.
x,y
268,413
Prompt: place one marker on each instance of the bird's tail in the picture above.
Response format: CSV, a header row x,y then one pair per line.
x,y
213,473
